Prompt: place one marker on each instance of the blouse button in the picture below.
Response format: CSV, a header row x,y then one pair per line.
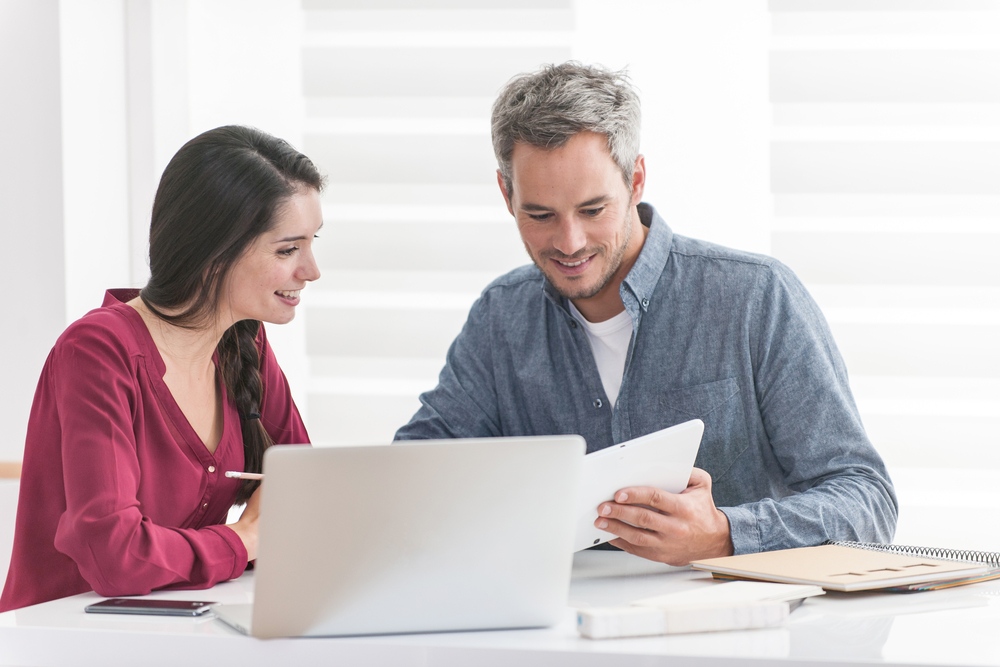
x,y
598,402
211,468
204,505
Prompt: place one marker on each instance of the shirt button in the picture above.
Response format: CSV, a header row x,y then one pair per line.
x,y
598,402
645,303
211,468
572,323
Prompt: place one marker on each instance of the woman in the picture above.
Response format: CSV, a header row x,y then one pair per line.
x,y
146,402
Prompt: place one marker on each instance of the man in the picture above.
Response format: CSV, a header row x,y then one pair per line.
x,y
621,328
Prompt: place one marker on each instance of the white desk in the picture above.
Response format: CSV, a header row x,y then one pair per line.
x,y
952,627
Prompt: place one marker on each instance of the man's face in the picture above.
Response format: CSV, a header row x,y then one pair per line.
x,y
576,216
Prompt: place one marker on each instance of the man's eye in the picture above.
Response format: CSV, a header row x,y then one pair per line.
x,y
593,212
539,216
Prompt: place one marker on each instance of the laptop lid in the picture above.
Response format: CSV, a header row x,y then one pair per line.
x,y
416,537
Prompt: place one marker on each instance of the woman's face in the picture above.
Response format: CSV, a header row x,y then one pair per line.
x,y
265,283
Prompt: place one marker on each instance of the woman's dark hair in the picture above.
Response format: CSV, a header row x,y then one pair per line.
x,y
219,193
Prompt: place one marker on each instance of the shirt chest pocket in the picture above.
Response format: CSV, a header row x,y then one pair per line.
x,y
719,405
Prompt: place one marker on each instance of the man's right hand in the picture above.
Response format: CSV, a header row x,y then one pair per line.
x,y
672,528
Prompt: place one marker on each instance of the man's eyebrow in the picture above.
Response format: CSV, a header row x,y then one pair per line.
x,y
528,206
594,201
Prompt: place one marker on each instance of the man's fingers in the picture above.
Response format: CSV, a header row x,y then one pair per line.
x,y
634,536
640,517
646,496
661,500
669,527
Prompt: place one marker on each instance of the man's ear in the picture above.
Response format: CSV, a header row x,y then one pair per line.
x,y
638,180
503,191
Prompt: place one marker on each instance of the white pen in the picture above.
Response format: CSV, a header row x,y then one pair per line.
x,y
243,475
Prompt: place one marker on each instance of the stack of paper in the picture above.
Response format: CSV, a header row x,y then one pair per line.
x,y
737,605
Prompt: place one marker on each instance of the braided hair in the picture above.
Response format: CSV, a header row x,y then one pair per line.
x,y
219,193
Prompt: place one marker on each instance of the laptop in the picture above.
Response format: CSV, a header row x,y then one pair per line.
x,y
423,536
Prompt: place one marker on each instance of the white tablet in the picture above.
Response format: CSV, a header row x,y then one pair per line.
x,y
662,459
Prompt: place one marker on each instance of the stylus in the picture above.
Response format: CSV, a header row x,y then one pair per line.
x,y
243,475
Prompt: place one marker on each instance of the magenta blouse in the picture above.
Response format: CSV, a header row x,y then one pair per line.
x,y
118,494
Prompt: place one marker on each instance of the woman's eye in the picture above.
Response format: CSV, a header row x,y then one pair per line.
x,y
287,251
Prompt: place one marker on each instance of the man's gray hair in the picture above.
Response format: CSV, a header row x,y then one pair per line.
x,y
546,108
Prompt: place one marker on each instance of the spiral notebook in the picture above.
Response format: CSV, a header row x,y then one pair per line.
x,y
856,566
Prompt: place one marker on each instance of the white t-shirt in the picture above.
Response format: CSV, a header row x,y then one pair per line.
x,y
609,340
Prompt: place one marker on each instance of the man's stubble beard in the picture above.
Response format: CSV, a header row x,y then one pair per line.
x,y
613,265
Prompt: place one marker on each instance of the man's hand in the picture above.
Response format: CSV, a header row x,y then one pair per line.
x,y
673,528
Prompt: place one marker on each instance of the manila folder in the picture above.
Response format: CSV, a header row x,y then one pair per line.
x,y
839,568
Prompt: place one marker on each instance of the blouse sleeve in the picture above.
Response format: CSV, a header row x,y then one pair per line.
x,y
117,549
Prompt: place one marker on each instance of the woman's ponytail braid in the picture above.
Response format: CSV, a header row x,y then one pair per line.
x,y
239,360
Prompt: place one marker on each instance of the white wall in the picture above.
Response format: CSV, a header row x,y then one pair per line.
x,y
97,234
31,206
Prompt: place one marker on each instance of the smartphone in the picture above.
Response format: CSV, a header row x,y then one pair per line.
x,y
149,606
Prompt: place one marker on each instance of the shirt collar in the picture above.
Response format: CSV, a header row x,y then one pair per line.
x,y
119,295
648,267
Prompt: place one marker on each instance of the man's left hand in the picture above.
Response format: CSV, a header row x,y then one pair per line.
x,y
673,528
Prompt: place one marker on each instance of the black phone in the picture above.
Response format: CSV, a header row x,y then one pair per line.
x,y
149,606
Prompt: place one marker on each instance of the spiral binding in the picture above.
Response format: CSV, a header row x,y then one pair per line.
x,y
991,558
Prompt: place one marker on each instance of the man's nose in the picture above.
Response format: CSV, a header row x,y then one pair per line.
x,y
570,237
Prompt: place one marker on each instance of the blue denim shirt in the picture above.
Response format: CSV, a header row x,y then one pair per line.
x,y
729,337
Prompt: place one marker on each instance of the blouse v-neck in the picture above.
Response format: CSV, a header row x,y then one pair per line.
x,y
156,368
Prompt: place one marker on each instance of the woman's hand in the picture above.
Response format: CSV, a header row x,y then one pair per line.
x,y
246,527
